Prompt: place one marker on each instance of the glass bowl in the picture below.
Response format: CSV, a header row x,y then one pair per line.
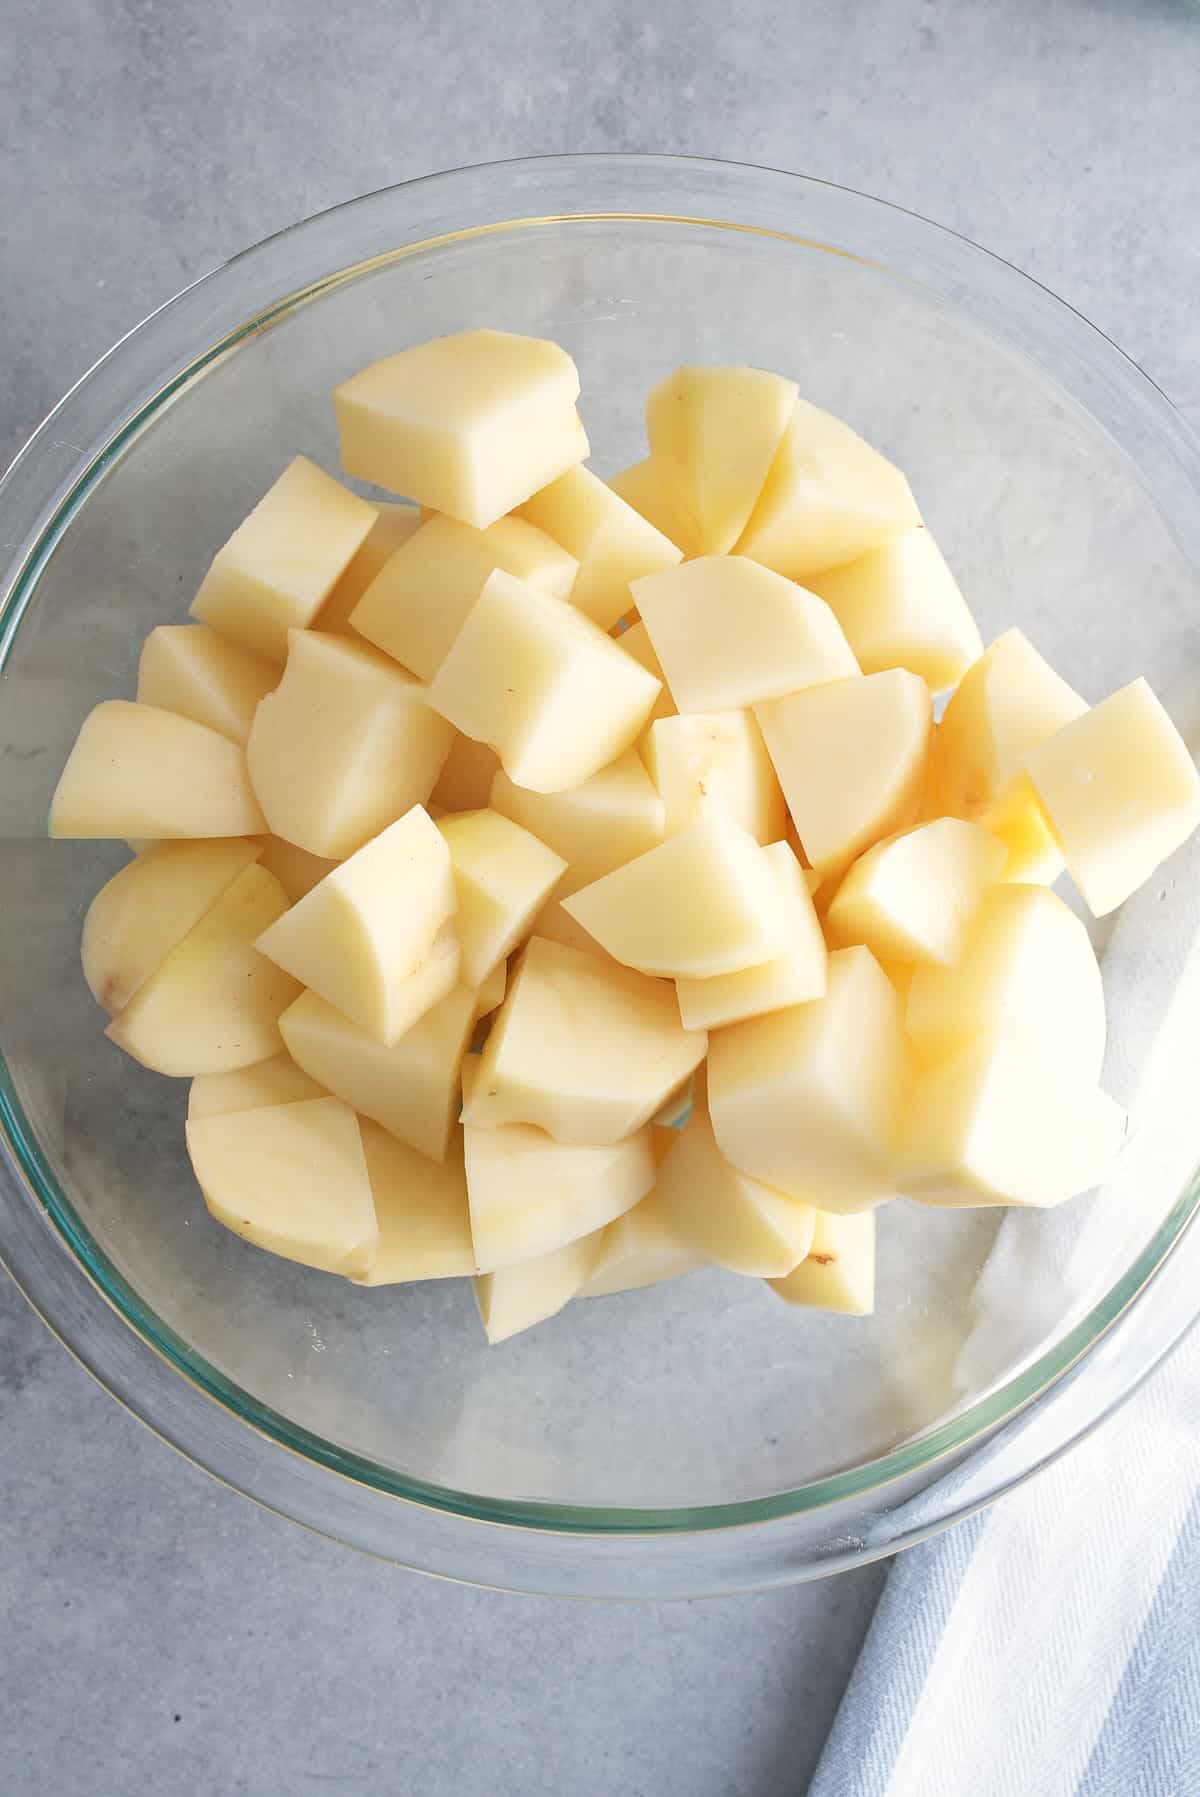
x,y
699,1437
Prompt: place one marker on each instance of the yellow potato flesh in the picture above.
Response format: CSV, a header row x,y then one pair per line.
x,y
705,902
283,561
470,424
277,1081
344,746
645,487
809,1099
792,978
136,771
214,1002
292,1179
715,755
641,1248
421,1210
851,759
410,1088
715,432
502,877
911,897
838,1272
1121,791
515,1298
595,826
191,670
296,870
419,601
392,528
370,938
726,1216
901,607
612,542
534,678
135,920
465,782
730,633
584,1049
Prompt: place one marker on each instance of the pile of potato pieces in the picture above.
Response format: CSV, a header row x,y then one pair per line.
x,y
635,788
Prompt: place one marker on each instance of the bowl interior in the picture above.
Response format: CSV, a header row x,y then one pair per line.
x,y
707,1391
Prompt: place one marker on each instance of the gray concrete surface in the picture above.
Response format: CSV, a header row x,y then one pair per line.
x,y
157,1632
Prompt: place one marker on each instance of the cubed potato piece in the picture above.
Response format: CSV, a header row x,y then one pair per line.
x,y
392,528
998,1123
292,1179
530,1194
792,978
810,1099
1016,818
644,486
1121,791
421,1209
515,1298
829,498
636,642
418,602
465,782
141,772
411,1088
1007,702
901,607
727,1216
641,1248
911,897
296,870
838,1272
851,759
277,1081
370,936
1027,966
582,1048
715,755
703,903
489,995
502,877
556,698
344,746
612,543
715,432
214,1002
135,920
595,826
192,671
283,561
469,424
729,633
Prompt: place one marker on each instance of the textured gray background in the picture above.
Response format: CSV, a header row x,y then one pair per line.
x,y
156,1632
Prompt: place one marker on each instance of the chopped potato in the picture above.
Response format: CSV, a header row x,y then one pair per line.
x,y
901,607
838,1272
612,543
715,432
189,669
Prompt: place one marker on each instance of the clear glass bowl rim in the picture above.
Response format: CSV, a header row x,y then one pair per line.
x,y
133,1353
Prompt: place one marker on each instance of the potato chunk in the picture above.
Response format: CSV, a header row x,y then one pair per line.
x,y
416,605
469,424
135,920
584,1049
515,1298
715,432
645,486
344,746
283,561
394,525
809,1099
1121,792
715,755
214,1002
729,633
502,877
556,698
136,771
612,543
641,1248
191,670
421,1209
277,1081
595,826
292,1179
829,498
912,896
702,903
792,978
365,937
901,607
851,759
727,1216
838,1272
